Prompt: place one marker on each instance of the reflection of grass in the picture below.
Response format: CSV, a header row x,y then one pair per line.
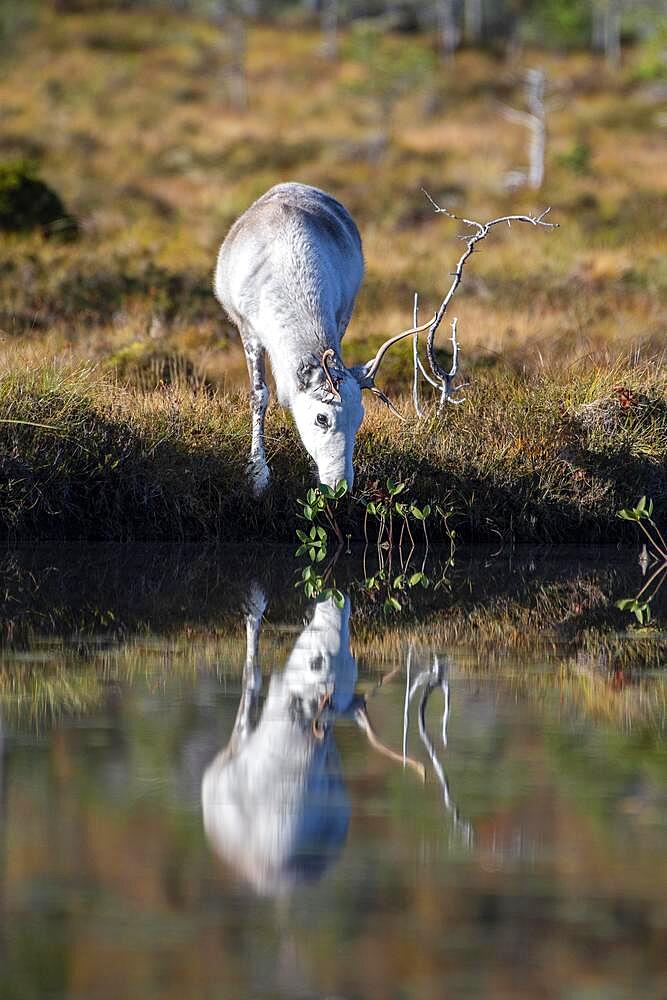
x,y
549,457
547,627
40,693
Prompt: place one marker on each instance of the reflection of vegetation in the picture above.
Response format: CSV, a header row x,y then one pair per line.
x,y
640,605
380,505
147,612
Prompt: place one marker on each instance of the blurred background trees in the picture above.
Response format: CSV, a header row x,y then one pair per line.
x,y
599,24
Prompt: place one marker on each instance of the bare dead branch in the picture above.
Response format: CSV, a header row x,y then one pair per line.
x,y
364,722
440,379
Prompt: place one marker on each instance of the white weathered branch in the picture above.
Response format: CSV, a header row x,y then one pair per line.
x,y
440,379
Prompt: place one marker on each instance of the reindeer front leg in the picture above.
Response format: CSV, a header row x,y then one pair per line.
x,y
255,606
258,469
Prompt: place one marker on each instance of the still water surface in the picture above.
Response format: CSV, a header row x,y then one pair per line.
x,y
253,812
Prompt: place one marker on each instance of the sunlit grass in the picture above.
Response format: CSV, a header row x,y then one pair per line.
x,y
549,457
130,124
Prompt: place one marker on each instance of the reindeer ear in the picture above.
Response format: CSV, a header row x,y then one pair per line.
x,y
308,373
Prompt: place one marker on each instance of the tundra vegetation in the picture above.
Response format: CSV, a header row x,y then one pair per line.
x,y
122,389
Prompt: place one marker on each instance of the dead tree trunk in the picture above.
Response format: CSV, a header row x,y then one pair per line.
x,y
231,19
612,34
473,21
329,25
535,82
535,120
447,28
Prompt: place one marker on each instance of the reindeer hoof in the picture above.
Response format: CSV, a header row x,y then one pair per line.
x,y
259,476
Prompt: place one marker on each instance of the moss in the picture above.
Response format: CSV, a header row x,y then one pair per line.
x,y
26,202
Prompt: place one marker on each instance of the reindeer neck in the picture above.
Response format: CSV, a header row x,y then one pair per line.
x,y
292,343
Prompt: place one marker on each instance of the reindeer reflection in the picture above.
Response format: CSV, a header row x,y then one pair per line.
x,y
274,801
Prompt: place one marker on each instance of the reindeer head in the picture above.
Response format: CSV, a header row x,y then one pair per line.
x,y
327,410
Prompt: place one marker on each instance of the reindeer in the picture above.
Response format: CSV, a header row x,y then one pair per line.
x,y
287,275
274,800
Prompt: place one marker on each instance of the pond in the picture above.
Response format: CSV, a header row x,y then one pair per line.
x,y
214,787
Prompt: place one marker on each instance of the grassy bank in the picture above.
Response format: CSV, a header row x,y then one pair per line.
x,y
544,457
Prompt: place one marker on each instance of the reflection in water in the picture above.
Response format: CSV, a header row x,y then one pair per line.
x,y
433,678
109,886
274,800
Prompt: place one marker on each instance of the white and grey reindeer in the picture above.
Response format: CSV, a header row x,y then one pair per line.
x,y
274,801
288,275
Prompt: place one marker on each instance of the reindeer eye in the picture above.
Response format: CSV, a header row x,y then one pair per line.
x,y
322,419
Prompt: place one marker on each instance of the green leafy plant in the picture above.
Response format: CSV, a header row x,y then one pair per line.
x,y
384,506
640,609
640,606
642,514
316,586
27,203
319,509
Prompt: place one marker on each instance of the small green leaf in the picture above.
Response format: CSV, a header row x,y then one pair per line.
x,y
308,512
415,579
391,604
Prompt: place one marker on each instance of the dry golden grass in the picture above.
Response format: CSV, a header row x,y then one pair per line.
x,y
127,116
543,457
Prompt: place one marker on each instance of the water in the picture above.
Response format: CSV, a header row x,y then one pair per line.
x,y
183,818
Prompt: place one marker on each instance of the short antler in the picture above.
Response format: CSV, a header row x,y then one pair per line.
x,y
333,386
